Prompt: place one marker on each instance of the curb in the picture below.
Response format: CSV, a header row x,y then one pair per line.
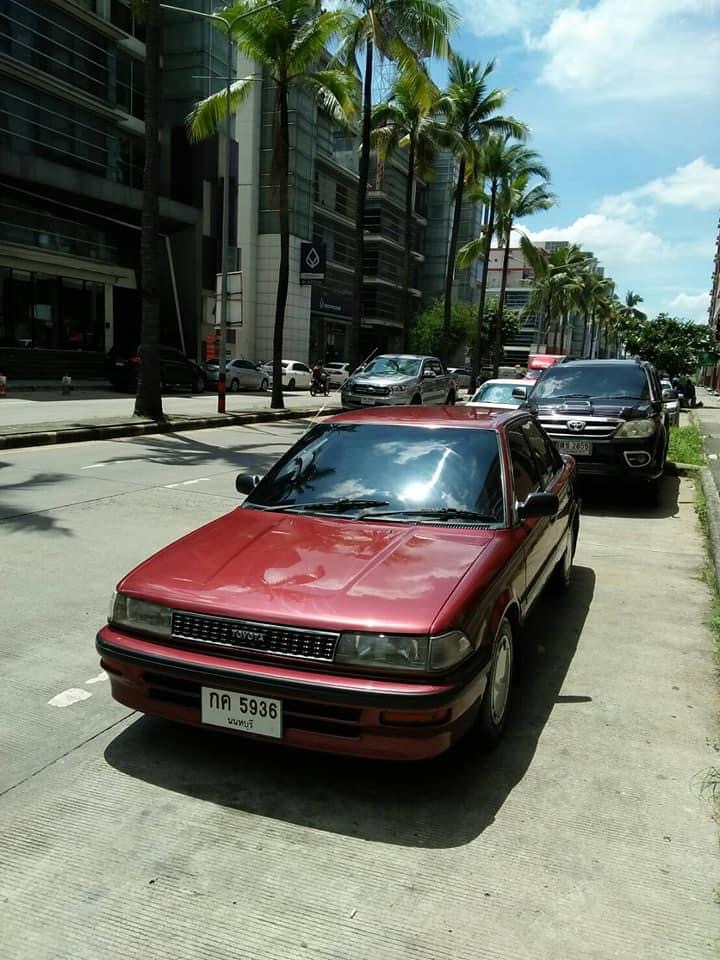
x,y
41,438
712,501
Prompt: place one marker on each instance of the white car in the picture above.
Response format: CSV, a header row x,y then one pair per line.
x,y
294,374
337,373
497,395
462,377
672,406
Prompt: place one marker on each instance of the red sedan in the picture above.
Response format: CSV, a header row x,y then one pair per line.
x,y
367,597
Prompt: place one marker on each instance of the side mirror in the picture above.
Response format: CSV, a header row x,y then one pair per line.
x,y
427,374
244,483
538,505
669,395
520,393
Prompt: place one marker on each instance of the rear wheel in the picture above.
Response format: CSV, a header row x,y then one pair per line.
x,y
198,385
417,399
496,699
291,384
264,385
234,385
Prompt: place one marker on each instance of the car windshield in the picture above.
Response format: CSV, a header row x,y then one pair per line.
x,y
598,382
496,393
394,367
400,467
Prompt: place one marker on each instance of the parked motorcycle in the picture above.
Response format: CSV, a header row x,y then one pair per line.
x,y
320,382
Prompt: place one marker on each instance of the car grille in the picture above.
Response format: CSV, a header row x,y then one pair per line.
x,y
368,390
596,428
257,637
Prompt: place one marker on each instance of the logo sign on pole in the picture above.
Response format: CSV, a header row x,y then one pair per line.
x,y
235,297
312,262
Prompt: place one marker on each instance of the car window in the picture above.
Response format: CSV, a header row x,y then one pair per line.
x,y
394,367
302,368
524,470
496,393
547,465
436,367
244,365
411,467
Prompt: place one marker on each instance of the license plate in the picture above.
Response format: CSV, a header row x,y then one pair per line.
x,y
119,363
576,447
367,400
242,712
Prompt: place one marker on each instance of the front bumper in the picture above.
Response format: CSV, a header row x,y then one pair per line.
x,y
355,400
331,713
621,459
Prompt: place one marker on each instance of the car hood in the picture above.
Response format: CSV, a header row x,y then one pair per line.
x,y
381,380
313,571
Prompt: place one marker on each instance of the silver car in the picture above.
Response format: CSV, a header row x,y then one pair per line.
x,y
245,375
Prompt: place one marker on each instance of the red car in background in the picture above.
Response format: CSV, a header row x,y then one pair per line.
x,y
367,597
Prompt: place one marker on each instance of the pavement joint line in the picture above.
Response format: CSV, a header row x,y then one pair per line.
x,y
67,753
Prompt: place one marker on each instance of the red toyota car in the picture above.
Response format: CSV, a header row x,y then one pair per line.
x,y
367,596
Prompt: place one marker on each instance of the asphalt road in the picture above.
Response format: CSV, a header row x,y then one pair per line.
x,y
582,836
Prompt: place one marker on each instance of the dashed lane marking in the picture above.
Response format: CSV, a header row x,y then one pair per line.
x,y
184,483
68,697
98,679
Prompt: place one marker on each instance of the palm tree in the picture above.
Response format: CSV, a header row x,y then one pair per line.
x,y
472,116
499,162
594,288
408,121
405,31
556,283
289,41
148,401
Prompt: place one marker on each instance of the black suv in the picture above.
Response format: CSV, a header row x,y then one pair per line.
x,y
608,414
176,370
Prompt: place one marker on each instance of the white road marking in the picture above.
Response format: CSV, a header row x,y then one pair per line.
x,y
98,679
184,483
68,697
93,466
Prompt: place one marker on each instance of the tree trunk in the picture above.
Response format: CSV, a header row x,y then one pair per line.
x,y
503,283
282,146
405,312
363,173
497,339
148,402
545,332
452,254
585,333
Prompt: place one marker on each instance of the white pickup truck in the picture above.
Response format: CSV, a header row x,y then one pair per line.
x,y
401,378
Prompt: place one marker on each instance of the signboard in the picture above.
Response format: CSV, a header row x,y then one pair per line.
x,y
235,298
312,262
330,304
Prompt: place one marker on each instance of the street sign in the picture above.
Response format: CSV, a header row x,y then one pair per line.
x,y
235,297
312,262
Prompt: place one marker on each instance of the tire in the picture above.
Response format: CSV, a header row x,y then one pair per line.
x,y
291,384
313,391
198,385
562,574
495,704
234,385
263,385
451,398
416,400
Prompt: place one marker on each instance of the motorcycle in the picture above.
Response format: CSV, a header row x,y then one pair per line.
x,y
320,383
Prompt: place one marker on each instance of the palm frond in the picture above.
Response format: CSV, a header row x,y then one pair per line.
x,y
471,251
206,116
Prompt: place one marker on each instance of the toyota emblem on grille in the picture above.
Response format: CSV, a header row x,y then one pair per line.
x,y
577,426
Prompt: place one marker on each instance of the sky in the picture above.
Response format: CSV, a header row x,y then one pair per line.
x,y
623,100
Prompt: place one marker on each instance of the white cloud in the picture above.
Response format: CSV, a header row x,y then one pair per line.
x,y
694,306
493,18
611,239
642,49
696,185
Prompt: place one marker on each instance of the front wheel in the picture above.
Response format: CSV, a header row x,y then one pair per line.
x,y
291,384
562,574
496,699
198,385
234,385
264,385
416,400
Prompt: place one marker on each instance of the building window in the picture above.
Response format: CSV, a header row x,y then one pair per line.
x,y
130,86
121,15
341,199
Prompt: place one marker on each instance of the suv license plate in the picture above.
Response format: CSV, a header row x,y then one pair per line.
x,y
367,400
576,447
242,712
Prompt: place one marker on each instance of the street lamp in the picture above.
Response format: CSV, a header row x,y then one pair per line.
x,y
227,25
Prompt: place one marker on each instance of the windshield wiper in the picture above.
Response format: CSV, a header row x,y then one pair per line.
x,y
621,396
441,513
345,503
564,396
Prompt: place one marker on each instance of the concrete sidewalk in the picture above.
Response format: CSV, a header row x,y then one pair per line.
x,y
33,418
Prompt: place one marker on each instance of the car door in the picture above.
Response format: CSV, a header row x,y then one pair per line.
x,y
302,374
440,383
549,465
538,536
246,376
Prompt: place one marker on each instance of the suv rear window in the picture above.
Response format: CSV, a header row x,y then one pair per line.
x,y
601,382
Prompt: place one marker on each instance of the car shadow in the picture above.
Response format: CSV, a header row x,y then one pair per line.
x,y
619,499
442,803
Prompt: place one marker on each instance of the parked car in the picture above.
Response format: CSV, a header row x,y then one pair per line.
x,y
462,377
609,414
176,370
337,373
294,374
672,403
368,596
396,379
496,395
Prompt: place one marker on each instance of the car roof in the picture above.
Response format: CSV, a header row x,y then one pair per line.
x,y
515,381
598,363
443,416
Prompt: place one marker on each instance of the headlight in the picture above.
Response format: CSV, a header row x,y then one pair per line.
x,y
399,652
636,430
140,615
399,388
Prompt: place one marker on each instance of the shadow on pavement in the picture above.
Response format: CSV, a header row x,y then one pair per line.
x,y
14,518
444,803
617,499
